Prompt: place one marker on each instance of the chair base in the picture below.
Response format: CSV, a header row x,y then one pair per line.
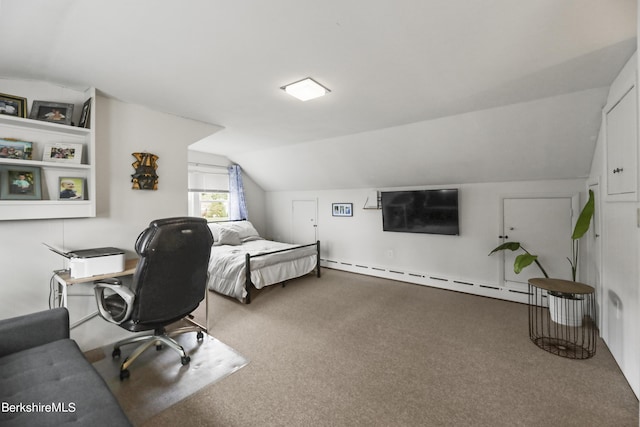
x,y
158,338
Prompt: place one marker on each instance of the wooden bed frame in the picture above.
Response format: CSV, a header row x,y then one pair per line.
x,y
248,284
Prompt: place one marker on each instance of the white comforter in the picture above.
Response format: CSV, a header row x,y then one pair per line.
x,y
227,273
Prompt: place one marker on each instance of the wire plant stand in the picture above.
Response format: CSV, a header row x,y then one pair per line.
x,y
562,317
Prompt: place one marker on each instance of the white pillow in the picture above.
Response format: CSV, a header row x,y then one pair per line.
x,y
245,230
228,237
215,231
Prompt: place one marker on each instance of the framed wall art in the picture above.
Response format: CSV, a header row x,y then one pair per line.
x,y
71,188
15,149
55,112
13,105
20,183
342,209
85,115
62,152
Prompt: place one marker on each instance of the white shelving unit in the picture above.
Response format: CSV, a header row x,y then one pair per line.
x,y
40,133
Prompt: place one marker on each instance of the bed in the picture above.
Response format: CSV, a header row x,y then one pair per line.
x,y
241,260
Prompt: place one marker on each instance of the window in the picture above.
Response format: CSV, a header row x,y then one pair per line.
x,y
209,192
214,206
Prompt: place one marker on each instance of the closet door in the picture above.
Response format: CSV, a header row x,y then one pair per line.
x,y
622,143
304,222
543,227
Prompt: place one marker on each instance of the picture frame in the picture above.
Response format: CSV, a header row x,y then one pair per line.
x,y
15,149
62,152
54,112
71,188
12,105
85,115
342,209
20,183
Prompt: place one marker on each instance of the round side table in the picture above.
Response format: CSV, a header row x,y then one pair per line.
x,y
562,317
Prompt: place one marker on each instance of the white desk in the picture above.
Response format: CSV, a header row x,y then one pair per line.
x,y
64,280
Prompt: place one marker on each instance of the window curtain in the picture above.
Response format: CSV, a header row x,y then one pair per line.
x,y
237,203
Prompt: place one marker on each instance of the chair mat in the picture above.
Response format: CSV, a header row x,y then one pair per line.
x,y
158,380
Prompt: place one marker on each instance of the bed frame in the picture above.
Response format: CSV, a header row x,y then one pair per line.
x,y
248,285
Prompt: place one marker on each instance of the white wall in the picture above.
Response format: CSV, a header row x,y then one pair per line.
x,y
360,239
122,213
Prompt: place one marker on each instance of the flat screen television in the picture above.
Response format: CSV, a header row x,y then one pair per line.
x,y
421,211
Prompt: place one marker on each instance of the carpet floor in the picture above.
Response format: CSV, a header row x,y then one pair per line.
x,y
349,350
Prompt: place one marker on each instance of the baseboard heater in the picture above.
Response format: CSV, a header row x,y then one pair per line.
x,y
431,281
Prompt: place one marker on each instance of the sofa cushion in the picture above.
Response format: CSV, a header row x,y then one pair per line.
x,y
54,385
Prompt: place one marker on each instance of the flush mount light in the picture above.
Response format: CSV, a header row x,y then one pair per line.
x,y
305,89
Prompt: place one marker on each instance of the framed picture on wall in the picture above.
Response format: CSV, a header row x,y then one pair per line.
x,y
342,209
85,115
54,112
20,183
62,152
15,149
71,188
13,105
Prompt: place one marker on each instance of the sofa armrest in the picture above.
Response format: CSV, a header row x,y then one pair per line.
x,y
31,330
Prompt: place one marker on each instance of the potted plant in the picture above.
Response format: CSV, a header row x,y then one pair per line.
x,y
527,258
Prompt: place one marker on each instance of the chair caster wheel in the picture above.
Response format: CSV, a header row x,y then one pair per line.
x,y
115,353
200,336
185,360
124,374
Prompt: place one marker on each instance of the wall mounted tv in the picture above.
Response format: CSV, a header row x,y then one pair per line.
x,y
421,211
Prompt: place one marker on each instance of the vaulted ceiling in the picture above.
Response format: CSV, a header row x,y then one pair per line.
x,y
422,91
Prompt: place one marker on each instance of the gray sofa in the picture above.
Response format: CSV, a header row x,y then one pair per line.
x,y
45,379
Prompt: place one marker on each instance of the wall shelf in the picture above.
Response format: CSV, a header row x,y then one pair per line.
x,y
41,133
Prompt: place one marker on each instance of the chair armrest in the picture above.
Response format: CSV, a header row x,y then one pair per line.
x,y
31,330
116,307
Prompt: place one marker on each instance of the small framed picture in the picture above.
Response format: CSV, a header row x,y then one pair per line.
x,y
13,105
15,149
55,112
71,188
62,152
342,209
85,114
20,183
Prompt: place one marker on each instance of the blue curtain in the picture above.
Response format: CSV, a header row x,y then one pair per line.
x,y
237,203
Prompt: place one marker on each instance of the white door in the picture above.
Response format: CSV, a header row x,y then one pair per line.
x,y
304,218
594,254
622,143
543,227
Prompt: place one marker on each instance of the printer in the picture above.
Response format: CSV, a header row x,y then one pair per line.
x,y
92,262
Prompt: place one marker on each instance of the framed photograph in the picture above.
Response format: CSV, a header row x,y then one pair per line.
x,y
15,149
62,152
55,112
20,183
71,188
85,115
342,209
13,105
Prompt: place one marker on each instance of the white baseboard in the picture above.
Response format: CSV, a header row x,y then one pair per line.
x,y
487,290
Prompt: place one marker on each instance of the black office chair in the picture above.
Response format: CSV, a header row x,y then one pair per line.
x,y
168,284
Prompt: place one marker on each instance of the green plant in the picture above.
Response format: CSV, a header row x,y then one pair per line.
x,y
582,225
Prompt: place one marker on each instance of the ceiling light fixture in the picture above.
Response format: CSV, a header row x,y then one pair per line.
x,y
305,89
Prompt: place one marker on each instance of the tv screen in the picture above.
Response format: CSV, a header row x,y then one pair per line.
x,y
421,211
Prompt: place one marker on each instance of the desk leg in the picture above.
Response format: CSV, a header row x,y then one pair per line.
x,y
61,291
